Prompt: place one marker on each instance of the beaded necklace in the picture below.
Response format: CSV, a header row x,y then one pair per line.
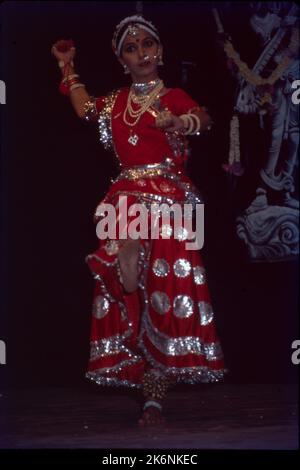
x,y
143,95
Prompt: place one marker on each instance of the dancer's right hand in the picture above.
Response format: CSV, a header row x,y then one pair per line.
x,y
64,50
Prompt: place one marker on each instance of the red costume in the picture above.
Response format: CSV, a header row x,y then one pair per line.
x,y
168,323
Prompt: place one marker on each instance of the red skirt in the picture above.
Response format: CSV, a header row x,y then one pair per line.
x,y
168,323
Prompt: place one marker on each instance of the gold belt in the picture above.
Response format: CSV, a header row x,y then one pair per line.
x,y
135,174
147,171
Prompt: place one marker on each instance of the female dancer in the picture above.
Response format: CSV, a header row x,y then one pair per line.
x,y
152,317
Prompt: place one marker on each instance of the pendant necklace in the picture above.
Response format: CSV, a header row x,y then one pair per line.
x,y
142,95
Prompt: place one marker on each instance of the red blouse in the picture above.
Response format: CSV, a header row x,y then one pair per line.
x,y
153,144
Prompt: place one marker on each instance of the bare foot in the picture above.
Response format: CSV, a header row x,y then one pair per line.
x,y
151,417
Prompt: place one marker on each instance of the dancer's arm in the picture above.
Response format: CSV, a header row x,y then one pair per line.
x,y
79,96
179,119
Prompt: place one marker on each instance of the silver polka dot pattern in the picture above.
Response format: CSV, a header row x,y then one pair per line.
x,y
166,231
182,267
181,234
206,313
199,275
183,306
100,307
160,302
161,267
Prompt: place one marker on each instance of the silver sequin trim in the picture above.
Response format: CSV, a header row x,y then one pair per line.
x,y
160,302
192,195
176,142
186,345
161,267
183,306
206,313
106,347
176,346
199,275
181,345
213,351
190,375
98,258
118,367
182,267
100,380
104,120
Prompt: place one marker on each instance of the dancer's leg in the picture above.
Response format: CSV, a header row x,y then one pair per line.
x,y
128,259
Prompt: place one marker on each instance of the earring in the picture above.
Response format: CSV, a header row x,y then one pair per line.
x,y
159,57
126,70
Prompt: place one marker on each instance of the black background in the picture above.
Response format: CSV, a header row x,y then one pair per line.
x,y
54,171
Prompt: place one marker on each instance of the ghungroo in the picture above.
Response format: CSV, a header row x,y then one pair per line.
x,y
155,386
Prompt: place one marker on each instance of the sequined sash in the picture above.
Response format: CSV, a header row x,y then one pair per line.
x,y
136,172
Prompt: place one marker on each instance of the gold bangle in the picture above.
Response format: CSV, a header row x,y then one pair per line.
x,y
198,123
68,77
76,85
189,123
72,82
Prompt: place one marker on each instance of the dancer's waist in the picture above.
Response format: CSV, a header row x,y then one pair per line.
x,y
149,170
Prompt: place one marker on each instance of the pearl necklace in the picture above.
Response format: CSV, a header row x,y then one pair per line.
x,y
144,101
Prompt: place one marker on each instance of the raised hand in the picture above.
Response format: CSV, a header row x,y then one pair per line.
x,y
64,51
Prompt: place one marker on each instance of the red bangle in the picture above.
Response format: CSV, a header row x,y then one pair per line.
x,y
63,89
72,82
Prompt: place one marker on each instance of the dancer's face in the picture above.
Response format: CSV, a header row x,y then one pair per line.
x,y
140,54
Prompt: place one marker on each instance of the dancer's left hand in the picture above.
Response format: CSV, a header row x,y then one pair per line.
x,y
168,122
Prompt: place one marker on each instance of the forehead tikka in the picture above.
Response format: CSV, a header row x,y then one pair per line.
x,y
133,30
131,25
